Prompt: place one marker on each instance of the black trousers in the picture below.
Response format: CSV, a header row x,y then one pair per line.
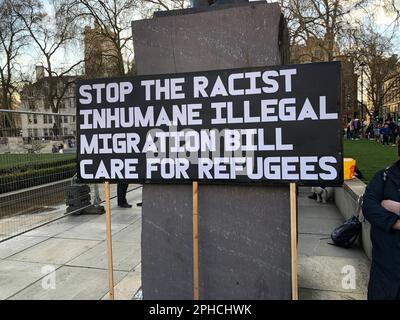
x,y
122,188
385,139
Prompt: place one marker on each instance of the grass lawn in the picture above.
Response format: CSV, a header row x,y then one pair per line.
x,y
370,156
15,160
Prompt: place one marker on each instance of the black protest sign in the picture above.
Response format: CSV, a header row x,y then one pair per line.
x,y
244,125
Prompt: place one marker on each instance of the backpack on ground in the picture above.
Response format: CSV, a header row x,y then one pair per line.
x,y
346,234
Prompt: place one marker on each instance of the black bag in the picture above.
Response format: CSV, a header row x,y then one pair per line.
x,y
346,234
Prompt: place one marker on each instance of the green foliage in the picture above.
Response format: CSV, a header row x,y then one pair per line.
x,y
17,160
29,170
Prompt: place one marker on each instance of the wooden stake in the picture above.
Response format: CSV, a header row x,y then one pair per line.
x,y
109,241
293,239
195,241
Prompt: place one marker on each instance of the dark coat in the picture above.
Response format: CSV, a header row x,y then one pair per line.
x,y
384,282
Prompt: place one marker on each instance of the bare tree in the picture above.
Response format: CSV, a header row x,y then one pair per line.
x,y
393,7
12,40
381,66
112,23
50,34
109,42
322,21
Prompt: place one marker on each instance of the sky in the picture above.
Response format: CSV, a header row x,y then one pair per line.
x,y
384,22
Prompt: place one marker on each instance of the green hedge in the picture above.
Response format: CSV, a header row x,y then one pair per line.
x,y
20,168
34,176
12,161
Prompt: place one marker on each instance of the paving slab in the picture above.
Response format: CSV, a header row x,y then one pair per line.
x,y
328,273
312,294
318,225
55,251
132,233
72,283
135,196
125,217
17,275
90,231
81,218
52,229
320,210
127,287
126,256
18,244
318,245
120,217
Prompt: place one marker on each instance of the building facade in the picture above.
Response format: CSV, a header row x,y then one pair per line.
x,y
350,106
101,56
314,50
391,99
100,61
34,97
10,123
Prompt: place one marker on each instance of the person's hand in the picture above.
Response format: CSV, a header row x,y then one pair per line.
x,y
396,225
392,206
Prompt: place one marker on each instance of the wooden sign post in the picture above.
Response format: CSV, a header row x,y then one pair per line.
x,y
293,239
109,241
195,241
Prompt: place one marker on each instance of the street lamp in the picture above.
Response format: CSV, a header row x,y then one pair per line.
x,y
362,65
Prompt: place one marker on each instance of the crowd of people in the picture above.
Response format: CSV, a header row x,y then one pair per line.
x,y
385,132
57,148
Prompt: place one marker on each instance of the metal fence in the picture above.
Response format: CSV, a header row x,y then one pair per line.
x,y
37,163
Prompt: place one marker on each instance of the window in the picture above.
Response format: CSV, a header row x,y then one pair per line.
x,y
29,119
65,119
45,119
50,119
65,131
46,132
35,132
30,132
35,119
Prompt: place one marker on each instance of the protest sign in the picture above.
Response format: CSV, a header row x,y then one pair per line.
x,y
244,125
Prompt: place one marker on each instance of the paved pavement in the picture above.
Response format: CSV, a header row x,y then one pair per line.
x,y
73,250
325,271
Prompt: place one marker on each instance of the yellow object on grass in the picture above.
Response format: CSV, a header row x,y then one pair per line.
x,y
349,166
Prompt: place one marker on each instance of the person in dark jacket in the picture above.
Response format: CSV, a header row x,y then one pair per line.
x,y
381,207
393,132
122,188
385,132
